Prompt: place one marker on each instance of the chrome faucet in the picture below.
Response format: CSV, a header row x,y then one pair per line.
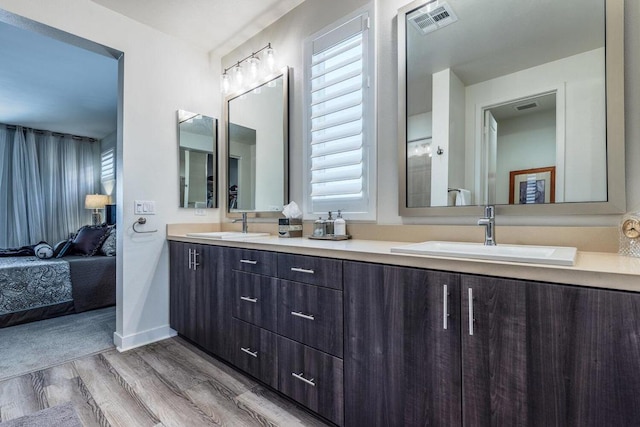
x,y
489,222
244,221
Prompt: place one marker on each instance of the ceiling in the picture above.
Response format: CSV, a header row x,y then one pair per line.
x,y
51,85
213,25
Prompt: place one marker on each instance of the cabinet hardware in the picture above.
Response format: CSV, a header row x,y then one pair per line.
x,y
190,254
304,316
301,377
249,352
196,264
302,270
445,304
471,319
248,261
249,299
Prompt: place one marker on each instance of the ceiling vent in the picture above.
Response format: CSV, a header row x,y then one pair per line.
x,y
527,106
432,17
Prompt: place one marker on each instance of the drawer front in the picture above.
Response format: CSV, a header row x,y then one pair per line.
x,y
312,315
255,299
255,351
312,378
259,262
313,270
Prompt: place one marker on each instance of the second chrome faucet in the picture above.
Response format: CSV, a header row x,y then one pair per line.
x,y
489,222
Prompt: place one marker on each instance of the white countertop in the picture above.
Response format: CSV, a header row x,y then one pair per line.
x,y
596,269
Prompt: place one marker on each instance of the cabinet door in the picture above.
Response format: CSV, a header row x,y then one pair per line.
x,y
184,283
546,354
402,346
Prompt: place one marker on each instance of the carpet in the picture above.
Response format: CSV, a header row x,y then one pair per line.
x,y
59,416
39,345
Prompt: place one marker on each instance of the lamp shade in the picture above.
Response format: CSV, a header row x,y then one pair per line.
x,y
95,201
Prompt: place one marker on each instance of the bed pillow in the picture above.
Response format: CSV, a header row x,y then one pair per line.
x,y
43,250
62,248
89,239
109,246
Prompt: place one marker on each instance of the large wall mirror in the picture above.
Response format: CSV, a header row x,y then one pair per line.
x,y
198,147
256,122
517,104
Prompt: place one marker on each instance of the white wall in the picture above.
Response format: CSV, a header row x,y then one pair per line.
x,y
161,75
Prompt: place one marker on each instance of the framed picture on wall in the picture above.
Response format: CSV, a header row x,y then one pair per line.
x,y
532,186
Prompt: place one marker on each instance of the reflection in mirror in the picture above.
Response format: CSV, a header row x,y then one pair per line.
x,y
198,142
493,89
257,144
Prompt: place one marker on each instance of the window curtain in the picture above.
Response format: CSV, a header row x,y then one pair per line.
x,y
44,178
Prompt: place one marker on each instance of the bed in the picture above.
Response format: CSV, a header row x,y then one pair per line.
x,y
35,289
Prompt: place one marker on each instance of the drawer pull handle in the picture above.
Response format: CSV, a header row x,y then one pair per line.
x,y
304,316
249,261
471,319
249,299
445,310
196,264
301,377
249,352
190,259
302,270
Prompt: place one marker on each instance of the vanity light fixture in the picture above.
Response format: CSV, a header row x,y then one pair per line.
x,y
254,69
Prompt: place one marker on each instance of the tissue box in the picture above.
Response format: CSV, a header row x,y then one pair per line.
x,y
290,227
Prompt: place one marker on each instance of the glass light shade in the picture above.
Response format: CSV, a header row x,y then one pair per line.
x,y
238,75
254,68
95,201
225,83
270,59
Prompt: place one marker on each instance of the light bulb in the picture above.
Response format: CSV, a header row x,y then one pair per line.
x,y
270,59
238,75
225,83
254,68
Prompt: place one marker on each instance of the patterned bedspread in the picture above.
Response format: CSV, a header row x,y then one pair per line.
x,y
29,282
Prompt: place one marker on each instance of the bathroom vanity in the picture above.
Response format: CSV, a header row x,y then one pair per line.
x,y
362,336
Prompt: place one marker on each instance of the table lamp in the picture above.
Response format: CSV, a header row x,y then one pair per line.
x,y
96,202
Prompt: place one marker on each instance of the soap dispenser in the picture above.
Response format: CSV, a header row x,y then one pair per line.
x,y
329,224
340,225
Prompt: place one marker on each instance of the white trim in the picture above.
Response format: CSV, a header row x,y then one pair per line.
x,y
142,338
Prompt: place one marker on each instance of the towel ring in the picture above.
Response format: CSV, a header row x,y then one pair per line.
x,y
142,221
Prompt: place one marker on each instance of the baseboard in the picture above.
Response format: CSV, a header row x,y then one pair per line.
x,y
124,343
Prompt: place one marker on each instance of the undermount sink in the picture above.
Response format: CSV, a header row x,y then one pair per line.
x,y
228,235
556,255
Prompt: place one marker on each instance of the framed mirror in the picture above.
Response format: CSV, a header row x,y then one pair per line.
x,y
257,144
198,147
515,104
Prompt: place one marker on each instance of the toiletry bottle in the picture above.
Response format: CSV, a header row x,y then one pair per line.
x,y
329,225
340,225
319,228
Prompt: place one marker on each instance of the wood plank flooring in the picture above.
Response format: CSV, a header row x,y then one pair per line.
x,y
170,383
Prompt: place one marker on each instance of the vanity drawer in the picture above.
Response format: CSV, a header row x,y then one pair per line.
x,y
259,262
255,299
312,315
312,378
313,270
255,351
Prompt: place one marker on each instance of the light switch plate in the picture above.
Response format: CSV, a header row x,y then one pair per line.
x,y
144,207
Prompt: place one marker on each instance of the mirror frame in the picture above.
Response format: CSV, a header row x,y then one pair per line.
x,y
182,116
284,73
616,193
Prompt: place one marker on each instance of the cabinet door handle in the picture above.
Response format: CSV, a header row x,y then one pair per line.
x,y
302,270
301,377
249,299
445,304
304,316
249,352
195,260
248,261
471,320
190,254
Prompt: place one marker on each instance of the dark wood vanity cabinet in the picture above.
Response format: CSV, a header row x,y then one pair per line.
x,y
402,346
197,296
549,355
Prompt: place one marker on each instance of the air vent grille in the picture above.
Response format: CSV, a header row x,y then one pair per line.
x,y
527,106
432,17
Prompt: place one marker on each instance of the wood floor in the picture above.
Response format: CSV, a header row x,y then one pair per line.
x,y
170,383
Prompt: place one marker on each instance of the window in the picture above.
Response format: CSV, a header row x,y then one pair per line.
x,y
108,165
340,120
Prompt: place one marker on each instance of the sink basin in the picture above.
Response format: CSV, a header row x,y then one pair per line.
x,y
556,255
228,235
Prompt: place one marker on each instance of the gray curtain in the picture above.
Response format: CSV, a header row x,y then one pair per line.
x,y
44,178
